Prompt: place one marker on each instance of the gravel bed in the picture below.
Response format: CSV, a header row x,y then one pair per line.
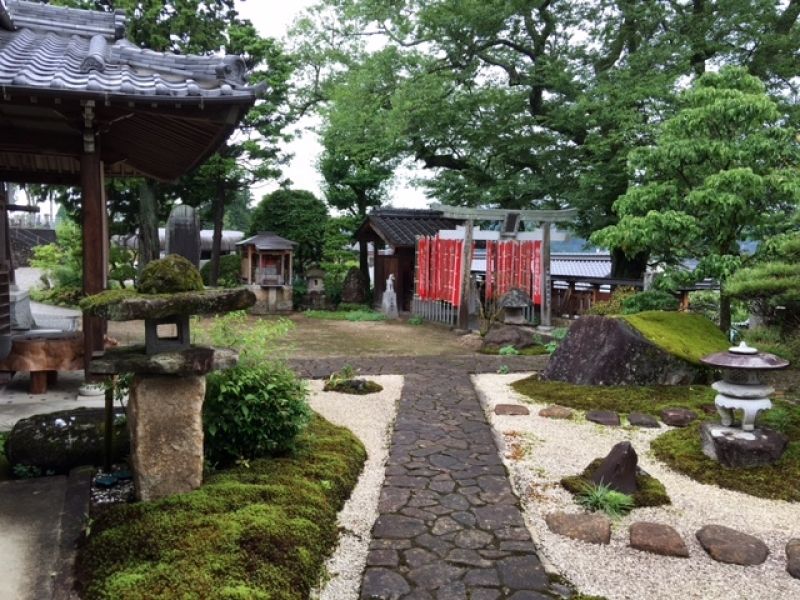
x,y
552,449
370,418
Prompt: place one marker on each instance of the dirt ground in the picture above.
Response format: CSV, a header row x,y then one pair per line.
x,y
317,338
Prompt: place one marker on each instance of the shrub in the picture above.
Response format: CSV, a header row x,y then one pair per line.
x,y
349,307
612,306
253,337
415,320
601,497
508,351
650,300
58,296
230,271
168,275
252,412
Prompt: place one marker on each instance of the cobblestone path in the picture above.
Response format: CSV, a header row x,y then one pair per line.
x,y
450,527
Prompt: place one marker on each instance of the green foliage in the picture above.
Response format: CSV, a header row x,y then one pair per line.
x,y
687,336
650,492
253,337
169,275
650,300
416,320
508,351
253,411
230,271
774,341
68,297
261,531
601,497
614,305
347,315
535,350
503,370
347,307
121,265
62,261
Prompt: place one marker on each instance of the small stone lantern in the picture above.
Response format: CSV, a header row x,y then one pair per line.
x,y
514,302
742,389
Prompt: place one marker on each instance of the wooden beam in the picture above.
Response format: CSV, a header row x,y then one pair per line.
x,y
497,214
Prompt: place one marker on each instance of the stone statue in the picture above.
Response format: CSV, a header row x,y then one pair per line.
x,y
389,303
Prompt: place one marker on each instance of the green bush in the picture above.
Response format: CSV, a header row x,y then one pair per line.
x,y
58,296
169,275
348,307
650,300
230,271
508,351
601,497
612,306
252,412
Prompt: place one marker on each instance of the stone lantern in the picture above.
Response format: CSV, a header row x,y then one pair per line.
x,y
514,302
741,388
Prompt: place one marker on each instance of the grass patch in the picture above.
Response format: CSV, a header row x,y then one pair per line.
x,y
535,350
261,531
624,399
345,315
651,491
681,450
687,336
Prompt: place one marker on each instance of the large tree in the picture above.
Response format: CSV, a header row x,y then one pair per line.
x,y
722,170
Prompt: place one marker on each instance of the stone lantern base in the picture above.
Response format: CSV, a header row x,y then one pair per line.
x,y
734,448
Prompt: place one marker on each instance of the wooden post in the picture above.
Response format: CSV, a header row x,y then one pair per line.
x,y
466,270
108,430
547,292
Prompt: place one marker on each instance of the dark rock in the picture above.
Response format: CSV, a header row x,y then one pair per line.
x,y
555,411
383,584
354,289
607,351
618,469
730,546
398,526
472,539
603,417
590,528
382,557
511,409
492,518
793,558
522,573
678,417
657,539
434,576
59,441
738,449
638,419
500,336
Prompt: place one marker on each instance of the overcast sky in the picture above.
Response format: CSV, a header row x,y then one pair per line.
x,y
273,18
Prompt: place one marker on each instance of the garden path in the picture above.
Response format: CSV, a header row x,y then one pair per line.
x,y
450,526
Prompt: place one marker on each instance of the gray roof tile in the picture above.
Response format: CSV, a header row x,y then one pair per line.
x,y
400,227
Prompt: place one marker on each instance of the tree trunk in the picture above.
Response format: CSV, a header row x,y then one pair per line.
x,y
724,312
623,267
149,245
216,245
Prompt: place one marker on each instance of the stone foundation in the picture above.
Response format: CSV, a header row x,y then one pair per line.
x,y
271,300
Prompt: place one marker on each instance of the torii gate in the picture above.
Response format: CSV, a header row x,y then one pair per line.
x,y
511,221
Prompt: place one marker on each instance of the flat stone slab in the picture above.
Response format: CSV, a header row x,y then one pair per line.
x,y
511,410
638,419
603,417
589,528
793,558
657,538
727,545
555,411
734,448
195,360
678,417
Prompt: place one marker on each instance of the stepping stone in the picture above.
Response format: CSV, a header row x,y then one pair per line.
x,y
793,558
603,417
727,545
638,419
555,411
383,583
678,417
398,527
511,410
592,529
657,539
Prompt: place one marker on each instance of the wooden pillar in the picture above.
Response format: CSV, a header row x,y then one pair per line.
x,y
547,292
95,247
466,271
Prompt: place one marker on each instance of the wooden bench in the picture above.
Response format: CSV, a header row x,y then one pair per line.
x,y
43,354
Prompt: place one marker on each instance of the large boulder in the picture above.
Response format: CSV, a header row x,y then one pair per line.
x,y
57,442
500,336
612,351
354,289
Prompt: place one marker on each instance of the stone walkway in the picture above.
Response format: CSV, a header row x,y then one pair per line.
x,y
450,527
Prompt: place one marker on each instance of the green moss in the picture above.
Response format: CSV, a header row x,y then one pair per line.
x,y
345,315
260,531
168,275
624,399
681,450
651,491
535,350
685,335
359,387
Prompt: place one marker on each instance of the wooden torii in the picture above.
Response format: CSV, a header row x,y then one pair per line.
x,y
511,221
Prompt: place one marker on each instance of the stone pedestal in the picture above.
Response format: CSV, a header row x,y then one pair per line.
x,y
735,448
166,428
21,317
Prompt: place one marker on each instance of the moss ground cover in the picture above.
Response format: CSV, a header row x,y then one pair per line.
x,y
345,315
684,335
257,531
535,350
651,491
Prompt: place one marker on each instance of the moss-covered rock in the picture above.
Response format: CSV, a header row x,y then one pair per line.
x,y
651,491
127,305
360,387
168,275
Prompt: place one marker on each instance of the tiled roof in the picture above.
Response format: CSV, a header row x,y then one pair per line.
x,y
67,49
596,266
400,227
267,240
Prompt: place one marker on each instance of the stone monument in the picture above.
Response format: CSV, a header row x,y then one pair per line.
x,y
183,234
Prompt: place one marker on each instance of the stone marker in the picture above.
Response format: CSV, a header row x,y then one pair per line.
x,y
555,411
793,558
734,448
589,528
638,419
354,287
511,409
618,469
727,545
657,538
678,417
603,417
182,235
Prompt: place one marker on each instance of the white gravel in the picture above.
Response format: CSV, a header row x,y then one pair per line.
x,y
370,418
556,448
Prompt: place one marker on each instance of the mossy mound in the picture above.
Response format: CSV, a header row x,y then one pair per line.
x,y
261,530
360,387
169,275
685,335
651,491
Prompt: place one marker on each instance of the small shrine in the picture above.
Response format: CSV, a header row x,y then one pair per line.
x,y
267,270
